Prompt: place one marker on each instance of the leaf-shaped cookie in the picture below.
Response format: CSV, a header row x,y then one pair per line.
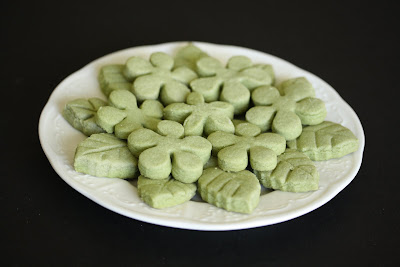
x,y
325,141
80,114
239,192
164,193
104,155
295,172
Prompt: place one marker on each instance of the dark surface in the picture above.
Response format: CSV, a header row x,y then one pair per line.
x,y
46,222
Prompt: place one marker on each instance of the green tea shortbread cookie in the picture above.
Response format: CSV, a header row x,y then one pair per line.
x,y
286,113
234,150
166,152
123,115
231,84
104,155
239,192
187,56
164,193
295,172
199,117
325,141
155,79
80,114
111,78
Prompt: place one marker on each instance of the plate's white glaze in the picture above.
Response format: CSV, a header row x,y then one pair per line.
x,y
59,141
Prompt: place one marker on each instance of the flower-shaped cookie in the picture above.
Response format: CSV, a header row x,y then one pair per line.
x,y
155,78
236,80
232,150
199,117
123,115
111,78
166,152
286,113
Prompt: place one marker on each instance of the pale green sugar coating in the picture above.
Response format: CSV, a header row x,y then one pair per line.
x,y
155,79
123,115
238,192
159,156
200,118
295,172
325,141
231,84
111,78
80,114
187,56
285,114
104,155
234,151
164,193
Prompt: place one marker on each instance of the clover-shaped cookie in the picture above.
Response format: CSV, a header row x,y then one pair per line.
x,y
239,192
111,78
123,115
199,117
325,141
231,84
295,172
166,152
286,113
155,78
232,150
80,114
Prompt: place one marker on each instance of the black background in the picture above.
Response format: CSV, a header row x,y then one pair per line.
x,y
351,45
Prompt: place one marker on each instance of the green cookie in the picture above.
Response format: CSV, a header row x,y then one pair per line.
x,y
164,193
234,150
164,153
286,113
80,114
236,80
111,78
295,172
155,79
104,155
238,192
123,115
199,117
187,56
325,141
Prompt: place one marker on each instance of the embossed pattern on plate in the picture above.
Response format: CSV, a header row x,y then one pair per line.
x,y
59,140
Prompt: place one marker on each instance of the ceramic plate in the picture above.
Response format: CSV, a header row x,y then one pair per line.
x,y
59,141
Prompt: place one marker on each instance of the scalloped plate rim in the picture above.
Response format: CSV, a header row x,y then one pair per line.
x,y
187,223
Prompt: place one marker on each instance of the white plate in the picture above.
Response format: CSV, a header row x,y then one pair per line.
x,y
59,141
